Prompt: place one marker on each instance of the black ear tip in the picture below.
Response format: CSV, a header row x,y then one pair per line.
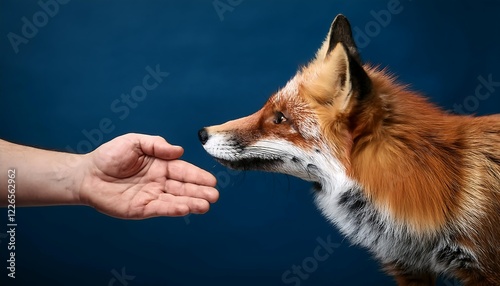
x,y
340,32
340,19
340,16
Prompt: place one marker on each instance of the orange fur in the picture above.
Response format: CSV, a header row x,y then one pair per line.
x,y
432,174
427,168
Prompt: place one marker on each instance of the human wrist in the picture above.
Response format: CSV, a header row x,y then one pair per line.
x,y
78,174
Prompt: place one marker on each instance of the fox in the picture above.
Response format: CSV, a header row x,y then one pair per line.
x,y
417,186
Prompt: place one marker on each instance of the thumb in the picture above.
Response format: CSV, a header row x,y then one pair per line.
x,y
158,147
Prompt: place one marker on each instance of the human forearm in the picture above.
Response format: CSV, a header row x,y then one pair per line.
x,y
134,176
42,177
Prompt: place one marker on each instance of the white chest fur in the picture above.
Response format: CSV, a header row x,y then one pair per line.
x,y
356,217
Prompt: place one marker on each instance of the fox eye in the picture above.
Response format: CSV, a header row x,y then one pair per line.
x,y
279,118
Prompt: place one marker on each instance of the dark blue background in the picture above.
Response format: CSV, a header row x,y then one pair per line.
x,y
65,78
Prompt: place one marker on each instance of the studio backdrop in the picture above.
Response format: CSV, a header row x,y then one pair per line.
x,y
72,77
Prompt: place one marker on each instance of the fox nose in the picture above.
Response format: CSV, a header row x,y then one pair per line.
x,y
203,136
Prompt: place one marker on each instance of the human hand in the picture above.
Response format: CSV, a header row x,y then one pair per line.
x,y
137,176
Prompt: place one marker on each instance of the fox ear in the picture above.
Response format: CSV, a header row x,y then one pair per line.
x,y
340,32
340,80
332,85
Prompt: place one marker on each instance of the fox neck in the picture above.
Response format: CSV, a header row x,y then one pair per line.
x,y
401,158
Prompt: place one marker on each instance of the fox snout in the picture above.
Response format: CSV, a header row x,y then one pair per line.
x,y
203,135
249,149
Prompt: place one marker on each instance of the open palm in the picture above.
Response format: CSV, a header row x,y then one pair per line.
x,y
138,176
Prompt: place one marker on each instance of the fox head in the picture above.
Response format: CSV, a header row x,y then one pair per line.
x,y
306,128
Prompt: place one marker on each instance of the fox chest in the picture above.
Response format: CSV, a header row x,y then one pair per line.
x,y
363,225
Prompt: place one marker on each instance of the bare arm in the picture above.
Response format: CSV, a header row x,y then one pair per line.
x,y
41,177
133,176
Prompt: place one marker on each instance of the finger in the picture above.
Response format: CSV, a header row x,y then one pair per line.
x,y
158,147
185,172
195,205
160,208
191,190
170,205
